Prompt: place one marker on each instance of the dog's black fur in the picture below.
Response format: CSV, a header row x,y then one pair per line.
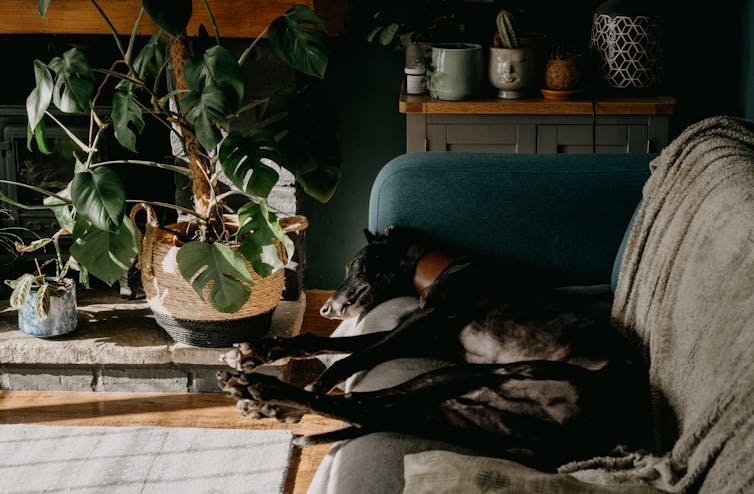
x,y
541,377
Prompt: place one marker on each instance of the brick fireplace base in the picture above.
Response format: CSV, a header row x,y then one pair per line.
x,y
119,347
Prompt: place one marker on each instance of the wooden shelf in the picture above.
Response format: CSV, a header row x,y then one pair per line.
x,y
235,18
652,105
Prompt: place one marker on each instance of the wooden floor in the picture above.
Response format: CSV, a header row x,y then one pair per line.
x,y
175,409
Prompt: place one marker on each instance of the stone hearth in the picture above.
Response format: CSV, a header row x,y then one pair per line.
x,y
118,346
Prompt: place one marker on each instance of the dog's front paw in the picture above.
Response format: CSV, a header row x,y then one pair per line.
x,y
259,410
232,383
248,356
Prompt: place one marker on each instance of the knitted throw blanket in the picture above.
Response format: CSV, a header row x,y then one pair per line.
x,y
686,295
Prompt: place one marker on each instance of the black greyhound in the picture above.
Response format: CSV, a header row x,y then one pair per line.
x,y
541,377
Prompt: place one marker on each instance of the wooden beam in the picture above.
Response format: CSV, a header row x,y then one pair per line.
x,y
234,18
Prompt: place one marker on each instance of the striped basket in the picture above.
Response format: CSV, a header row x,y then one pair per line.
x,y
180,311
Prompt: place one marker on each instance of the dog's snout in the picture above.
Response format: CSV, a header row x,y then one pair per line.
x,y
333,309
326,309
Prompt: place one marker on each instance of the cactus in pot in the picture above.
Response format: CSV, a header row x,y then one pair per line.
x,y
507,30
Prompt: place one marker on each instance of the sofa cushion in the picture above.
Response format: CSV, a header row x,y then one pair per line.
x,y
562,216
431,472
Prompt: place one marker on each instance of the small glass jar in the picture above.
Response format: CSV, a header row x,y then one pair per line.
x,y
416,68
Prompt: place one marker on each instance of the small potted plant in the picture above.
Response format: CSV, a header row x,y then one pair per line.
x,y
46,302
513,59
218,273
562,77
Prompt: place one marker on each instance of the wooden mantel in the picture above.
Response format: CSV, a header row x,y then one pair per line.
x,y
235,18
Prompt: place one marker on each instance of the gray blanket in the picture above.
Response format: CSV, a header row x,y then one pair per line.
x,y
686,295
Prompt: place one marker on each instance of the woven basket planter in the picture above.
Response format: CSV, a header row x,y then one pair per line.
x,y
181,312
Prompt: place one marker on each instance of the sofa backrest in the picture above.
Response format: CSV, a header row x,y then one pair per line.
x,y
561,215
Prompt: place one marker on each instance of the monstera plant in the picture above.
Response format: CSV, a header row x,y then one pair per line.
x,y
198,107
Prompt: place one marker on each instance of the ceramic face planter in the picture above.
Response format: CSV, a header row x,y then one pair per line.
x,y
456,71
513,71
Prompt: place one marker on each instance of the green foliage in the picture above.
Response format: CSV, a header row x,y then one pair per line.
x,y
506,36
242,161
106,254
220,267
292,134
216,93
171,16
99,198
259,230
303,47
39,285
306,123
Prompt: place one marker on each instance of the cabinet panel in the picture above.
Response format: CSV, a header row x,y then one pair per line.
x,y
481,134
578,139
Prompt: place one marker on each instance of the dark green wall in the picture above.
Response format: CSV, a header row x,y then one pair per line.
x,y
365,82
710,71
747,60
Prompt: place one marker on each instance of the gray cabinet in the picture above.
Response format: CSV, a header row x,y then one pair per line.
x,y
537,126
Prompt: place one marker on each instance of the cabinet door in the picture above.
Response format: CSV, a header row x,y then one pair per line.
x,y
482,138
580,138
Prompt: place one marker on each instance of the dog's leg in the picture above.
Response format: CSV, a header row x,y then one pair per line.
x,y
249,355
424,333
541,412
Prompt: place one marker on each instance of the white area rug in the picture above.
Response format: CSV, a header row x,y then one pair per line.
x,y
119,460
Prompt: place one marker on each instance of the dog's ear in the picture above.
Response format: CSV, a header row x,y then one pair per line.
x,y
391,230
369,235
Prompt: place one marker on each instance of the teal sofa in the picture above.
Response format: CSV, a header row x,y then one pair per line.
x,y
561,216
670,240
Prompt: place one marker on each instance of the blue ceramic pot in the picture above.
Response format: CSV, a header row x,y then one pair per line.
x,y
60,320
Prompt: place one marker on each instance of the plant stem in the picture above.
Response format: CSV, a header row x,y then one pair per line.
x,y
253,104
247,51
70,134
35,189
90,157
59,272
212,21
112,28
132,40
156,114
170,206
175,168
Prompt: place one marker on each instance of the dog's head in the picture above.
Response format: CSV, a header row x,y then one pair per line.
x,y
383,269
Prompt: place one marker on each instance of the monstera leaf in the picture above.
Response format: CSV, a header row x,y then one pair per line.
x,y
74,82
241,159
41,96
63,211
299,37
309,141
172,16
105,254
100,198
151,58
216,91
127,117
258,247
202,264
